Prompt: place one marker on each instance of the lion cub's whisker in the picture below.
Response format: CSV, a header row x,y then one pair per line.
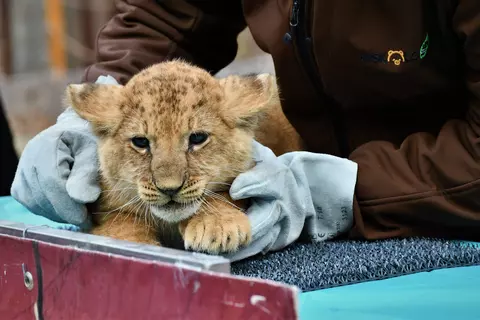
x,y
217,196
116,190
211,209
223,183
134,200
154,220
122,180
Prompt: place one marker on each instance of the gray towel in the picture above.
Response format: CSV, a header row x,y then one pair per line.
x,y
316,266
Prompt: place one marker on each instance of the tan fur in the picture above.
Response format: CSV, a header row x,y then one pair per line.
x,y
166,103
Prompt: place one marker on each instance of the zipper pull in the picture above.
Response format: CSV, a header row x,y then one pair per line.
x,y
293,22
294,17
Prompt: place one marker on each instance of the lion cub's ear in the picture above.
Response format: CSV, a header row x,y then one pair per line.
x,y
248,98
96,103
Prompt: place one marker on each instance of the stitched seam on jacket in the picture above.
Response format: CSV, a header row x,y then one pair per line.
x,y
420,195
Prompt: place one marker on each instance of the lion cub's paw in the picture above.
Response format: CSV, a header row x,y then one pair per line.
x,y
216,233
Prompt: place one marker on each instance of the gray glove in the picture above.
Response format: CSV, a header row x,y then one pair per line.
x,y
58,170
298,192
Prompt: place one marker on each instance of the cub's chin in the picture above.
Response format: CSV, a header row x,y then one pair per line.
x,y
174,212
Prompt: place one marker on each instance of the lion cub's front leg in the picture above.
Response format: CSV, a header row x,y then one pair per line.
x,y
218,227
125,226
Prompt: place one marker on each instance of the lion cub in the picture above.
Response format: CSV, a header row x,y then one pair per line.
x,y
171,141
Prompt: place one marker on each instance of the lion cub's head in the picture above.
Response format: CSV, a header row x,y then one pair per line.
x,y
174,134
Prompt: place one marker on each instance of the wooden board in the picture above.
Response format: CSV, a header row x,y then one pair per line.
x,y
73,283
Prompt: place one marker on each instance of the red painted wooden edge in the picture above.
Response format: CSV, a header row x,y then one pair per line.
x,y
81,284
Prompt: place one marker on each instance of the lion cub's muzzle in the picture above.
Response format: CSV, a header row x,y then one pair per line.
x,y
172,204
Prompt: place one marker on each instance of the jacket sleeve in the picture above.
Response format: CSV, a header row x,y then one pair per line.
x,y
145,32
429,185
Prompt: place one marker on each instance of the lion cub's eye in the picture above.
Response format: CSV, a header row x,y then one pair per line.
x,y
197,138
141,142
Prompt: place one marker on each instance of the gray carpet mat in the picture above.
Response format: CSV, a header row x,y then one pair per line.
x,y
316,266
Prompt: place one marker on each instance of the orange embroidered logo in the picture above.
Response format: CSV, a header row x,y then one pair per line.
x,y
396,56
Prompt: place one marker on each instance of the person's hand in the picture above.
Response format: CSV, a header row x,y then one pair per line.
x,y
298,192
57,172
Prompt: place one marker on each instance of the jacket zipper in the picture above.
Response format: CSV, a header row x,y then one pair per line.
x,y
302,42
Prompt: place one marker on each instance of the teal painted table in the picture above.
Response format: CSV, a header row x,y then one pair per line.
x,y
442,294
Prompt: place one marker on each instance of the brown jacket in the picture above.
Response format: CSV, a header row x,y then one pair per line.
x,y
392,85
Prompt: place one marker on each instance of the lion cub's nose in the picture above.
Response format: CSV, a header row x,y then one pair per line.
x,y
169,187
170,192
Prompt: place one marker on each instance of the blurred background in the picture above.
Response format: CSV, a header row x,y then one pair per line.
x,y
46,44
